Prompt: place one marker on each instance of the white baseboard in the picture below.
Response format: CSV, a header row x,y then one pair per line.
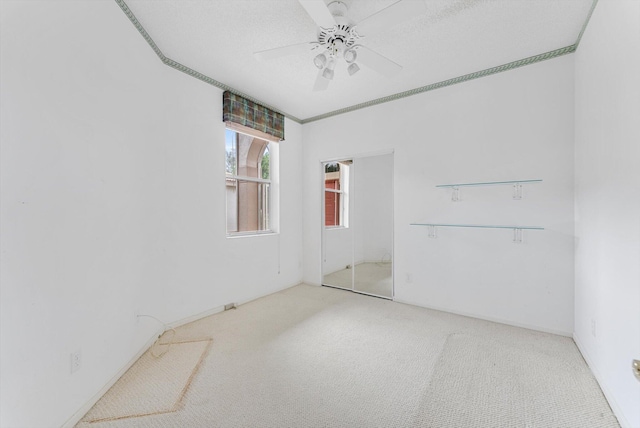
x,y
617,411
219,309
196,317
492,319
277,290
77,416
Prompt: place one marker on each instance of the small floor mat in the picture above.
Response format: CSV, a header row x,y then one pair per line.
x,y
153,385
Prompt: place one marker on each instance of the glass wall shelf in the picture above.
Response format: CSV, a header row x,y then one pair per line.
x,y
517,187
518,231
489,183
481,226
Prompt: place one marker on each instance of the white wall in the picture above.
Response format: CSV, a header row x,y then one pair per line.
x,y
607,305
513,125
112,204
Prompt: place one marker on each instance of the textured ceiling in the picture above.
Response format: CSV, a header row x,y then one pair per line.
x,y
451,38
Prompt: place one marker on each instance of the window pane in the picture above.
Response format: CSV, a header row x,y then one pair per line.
x,y
332,208
232,155
250,154
232,205
265,164
332,167
247,206
332,183
336,184
247,158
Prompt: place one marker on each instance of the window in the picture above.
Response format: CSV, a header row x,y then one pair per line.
x,y
336,194
248,184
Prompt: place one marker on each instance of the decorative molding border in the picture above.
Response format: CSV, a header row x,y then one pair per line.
x,y
586,22
141,29
471,76
449,82
183,68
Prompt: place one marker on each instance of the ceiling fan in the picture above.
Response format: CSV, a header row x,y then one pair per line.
x,y
339,38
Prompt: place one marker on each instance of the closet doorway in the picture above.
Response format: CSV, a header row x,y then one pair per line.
x,y
357,225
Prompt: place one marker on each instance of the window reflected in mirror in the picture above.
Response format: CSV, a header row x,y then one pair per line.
x,y
336,194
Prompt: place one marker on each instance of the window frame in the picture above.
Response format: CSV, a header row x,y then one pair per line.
x,y
242,178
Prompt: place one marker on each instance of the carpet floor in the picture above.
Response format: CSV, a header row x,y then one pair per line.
x,y
321,357
155,384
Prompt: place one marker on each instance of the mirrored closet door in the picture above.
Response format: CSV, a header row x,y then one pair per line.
x,y
337,237
373,225
358,225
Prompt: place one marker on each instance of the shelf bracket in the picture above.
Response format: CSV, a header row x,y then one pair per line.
x,y
517,191
455,194
432,232
518,236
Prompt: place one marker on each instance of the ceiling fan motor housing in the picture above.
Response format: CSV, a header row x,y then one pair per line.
x,y
341,37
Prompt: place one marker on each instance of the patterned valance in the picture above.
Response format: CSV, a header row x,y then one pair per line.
x,y
239,113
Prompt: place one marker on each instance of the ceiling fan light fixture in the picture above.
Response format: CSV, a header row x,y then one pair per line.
x,y
320,61
350,56
353,69
327,73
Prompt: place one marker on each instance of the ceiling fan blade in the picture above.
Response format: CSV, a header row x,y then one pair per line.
x,y
395,14
317,10
275,53
321,83
376,62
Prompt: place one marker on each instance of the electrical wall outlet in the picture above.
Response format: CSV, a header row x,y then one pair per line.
x,y
76,361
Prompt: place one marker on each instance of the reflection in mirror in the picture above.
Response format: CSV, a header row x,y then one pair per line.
x,y
358,225
373,225
337,235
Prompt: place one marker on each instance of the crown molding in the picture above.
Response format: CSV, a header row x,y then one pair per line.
x,y
183,68
449,82
584,26
460,79
140,29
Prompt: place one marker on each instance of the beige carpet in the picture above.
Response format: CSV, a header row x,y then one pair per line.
x,y
155,384
322,357
490,382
